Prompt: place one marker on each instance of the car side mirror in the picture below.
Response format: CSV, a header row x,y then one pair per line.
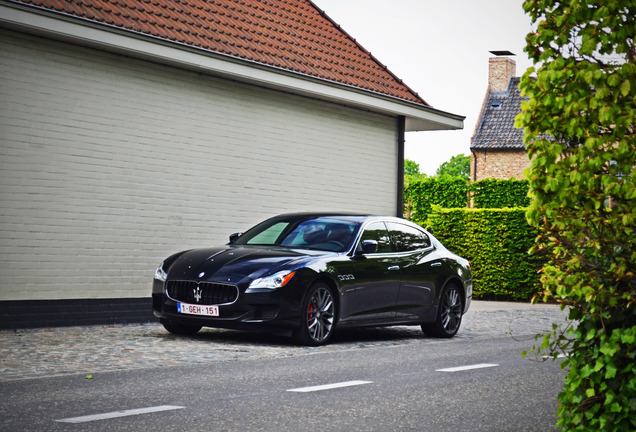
x,y
234,236
369,246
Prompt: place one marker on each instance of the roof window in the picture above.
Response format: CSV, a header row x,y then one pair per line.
x,y
495,104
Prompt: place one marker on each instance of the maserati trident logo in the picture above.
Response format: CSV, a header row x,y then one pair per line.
x,y
197,294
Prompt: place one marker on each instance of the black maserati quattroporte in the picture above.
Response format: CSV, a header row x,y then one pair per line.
x,y
313,274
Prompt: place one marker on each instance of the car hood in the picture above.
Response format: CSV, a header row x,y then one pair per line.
x,y
233,264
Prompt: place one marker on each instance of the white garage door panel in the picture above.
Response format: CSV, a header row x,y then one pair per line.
x,y
110,164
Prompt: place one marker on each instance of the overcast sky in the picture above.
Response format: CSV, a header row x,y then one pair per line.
x,y
439,48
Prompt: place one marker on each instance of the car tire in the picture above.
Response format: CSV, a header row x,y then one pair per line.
x,y
449,314
180,329
318,316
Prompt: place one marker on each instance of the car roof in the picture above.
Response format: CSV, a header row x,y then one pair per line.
x,y
358,217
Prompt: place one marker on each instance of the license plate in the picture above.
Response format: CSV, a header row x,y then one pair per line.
x,y
193,309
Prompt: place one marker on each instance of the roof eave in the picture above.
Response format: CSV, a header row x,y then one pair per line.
x,y
112,39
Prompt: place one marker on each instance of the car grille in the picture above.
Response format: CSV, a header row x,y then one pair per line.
x,y
211,293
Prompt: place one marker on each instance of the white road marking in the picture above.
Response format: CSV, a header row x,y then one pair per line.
x,y
116,414
329,386
469,367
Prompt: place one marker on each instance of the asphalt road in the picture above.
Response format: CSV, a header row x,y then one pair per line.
x,y
396,385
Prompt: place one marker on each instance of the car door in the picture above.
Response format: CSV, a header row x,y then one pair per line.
x,y
420,267
369,283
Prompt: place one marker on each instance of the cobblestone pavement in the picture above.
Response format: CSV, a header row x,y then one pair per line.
x,y
33,353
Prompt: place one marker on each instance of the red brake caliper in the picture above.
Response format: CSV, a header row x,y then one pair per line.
x,y
310,313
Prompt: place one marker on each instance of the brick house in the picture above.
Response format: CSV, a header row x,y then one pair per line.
x,y
497,148
132,130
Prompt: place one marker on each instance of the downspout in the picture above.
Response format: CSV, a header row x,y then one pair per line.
x,y
474,166
400,168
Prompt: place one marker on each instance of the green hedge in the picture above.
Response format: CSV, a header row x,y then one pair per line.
x,y
421,195
494,236
491,193
496,242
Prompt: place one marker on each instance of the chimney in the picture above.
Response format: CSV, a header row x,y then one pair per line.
x,y
500,69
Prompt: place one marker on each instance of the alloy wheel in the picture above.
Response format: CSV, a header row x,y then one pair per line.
x,y
451,313
320,314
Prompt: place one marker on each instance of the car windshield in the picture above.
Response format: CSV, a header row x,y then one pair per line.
x,y
322,233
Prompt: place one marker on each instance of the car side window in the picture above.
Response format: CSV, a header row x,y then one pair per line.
x,y
377,231
408,238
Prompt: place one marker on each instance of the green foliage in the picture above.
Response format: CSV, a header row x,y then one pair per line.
x,y
496,242
579,132
421,195
451,192
491,193
412,172
411,167
457,166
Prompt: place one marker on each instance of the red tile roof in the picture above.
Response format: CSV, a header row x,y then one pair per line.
x,y
292,35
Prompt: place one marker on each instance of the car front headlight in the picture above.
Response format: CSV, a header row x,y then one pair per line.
x,y
277,280
160,274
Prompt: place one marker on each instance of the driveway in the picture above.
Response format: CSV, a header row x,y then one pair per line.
x,y
33,353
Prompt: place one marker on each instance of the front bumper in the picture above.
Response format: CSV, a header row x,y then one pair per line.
x,y
264,308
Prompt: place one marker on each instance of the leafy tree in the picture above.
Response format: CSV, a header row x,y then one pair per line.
x,y
457,166
579,132
411,167
411,174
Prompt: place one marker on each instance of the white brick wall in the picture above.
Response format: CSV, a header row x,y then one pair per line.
x,y
109,164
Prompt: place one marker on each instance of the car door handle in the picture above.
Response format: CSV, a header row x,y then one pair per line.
x,y
436,264
395,267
